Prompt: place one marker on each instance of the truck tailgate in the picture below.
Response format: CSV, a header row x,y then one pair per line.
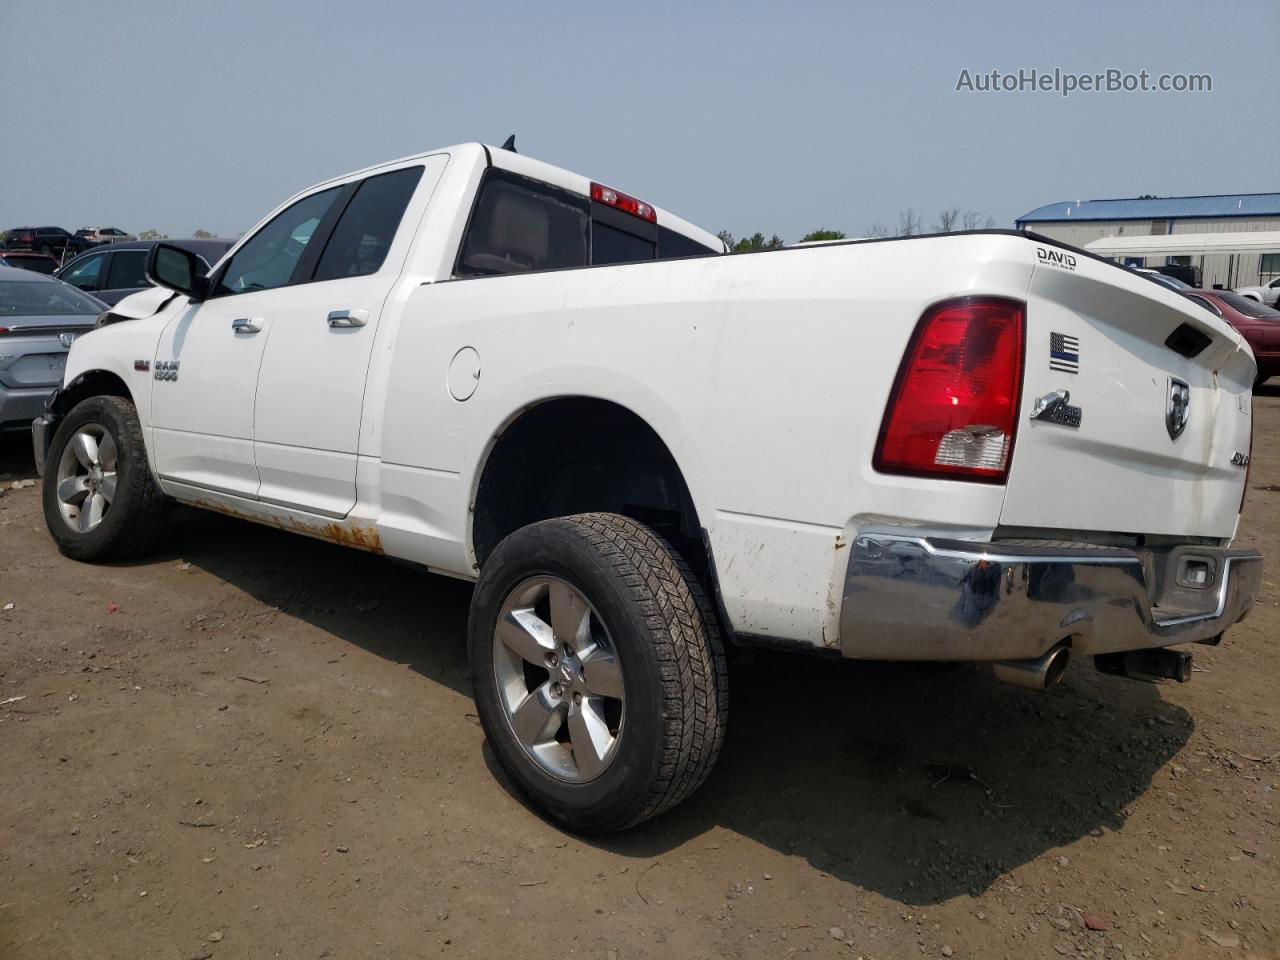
x,y
1130,464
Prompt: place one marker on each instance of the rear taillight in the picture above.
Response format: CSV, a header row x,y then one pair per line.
x,y
953,412
624,202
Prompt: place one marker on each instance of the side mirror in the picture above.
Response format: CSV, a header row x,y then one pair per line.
x,y
177,269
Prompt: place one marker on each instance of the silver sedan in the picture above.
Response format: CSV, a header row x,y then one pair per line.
x,y
40,318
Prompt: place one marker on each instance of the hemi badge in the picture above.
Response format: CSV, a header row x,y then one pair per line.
x,y
142,365
1056,408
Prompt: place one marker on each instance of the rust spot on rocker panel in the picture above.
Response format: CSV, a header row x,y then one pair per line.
x,y
361,536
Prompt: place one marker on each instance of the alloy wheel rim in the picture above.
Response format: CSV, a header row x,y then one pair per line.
x,y
86,479
559,679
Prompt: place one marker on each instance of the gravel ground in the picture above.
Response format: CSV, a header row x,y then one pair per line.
x,y
257,745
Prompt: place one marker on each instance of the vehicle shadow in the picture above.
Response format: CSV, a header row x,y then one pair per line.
x,y
396,611
922,782
16,462
919,782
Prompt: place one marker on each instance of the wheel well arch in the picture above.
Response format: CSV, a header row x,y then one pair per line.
x,y
577,454
91,383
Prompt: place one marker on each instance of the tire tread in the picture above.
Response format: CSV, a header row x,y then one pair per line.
x,y
688,646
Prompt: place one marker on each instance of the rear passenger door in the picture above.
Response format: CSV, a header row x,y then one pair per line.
x,y
126,272
311,383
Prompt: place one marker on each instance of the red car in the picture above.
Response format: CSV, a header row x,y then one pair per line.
x,y
1258,324
27,260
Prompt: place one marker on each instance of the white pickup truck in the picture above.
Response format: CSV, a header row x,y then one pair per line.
x,y
967,447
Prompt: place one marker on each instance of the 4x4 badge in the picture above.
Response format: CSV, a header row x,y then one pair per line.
x,y
1177,408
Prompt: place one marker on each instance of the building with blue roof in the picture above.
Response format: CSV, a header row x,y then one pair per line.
x,y
1079,222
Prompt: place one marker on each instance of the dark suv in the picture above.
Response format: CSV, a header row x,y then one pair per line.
x,y
51,240
113,271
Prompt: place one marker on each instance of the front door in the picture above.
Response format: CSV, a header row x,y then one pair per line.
x,y
207,361
312,380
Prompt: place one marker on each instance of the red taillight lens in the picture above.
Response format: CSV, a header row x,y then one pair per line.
x,y
624,202
954,408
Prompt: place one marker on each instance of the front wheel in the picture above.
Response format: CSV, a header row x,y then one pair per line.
x,y
100,500
599,671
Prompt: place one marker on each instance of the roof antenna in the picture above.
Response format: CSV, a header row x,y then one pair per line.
x,y
510,143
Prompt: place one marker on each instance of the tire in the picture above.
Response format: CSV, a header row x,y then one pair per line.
x,y
648,613
133,512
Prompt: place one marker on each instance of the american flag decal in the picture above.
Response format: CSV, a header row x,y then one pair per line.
x,y
1064,353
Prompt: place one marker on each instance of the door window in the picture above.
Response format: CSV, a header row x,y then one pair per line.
x,y
269,258
128,269
85,274
359,243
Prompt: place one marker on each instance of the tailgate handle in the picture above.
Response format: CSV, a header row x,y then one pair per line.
x,y
1187,341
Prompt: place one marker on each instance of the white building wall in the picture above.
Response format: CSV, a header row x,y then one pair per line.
x,y
1229,270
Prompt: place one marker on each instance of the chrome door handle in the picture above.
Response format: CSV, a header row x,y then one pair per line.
x,y
348,318
246,325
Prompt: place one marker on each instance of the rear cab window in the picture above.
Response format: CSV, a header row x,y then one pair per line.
x,y
522,225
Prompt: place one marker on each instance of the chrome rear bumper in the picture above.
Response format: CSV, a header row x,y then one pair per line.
x,y
923,598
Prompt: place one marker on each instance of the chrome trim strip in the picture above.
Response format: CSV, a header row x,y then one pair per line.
x,y
982,552
258,500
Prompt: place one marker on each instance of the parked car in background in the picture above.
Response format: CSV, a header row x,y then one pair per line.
x,y
54,241
104,234
1173,283
114,271
40,318
26,260
1257,323
1268,294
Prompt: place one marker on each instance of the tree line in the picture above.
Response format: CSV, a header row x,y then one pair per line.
x,y
157,235
910,224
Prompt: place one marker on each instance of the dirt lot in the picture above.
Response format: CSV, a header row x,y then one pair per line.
x,y
256,745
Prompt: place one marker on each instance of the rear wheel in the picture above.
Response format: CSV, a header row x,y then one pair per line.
x,y
599,671
100,500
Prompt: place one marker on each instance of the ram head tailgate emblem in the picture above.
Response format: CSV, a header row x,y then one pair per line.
x,y
1177,409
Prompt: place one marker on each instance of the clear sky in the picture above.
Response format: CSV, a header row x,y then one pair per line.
x,y
770,116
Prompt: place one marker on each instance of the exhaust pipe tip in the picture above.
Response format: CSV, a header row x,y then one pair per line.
x,y
1038,674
